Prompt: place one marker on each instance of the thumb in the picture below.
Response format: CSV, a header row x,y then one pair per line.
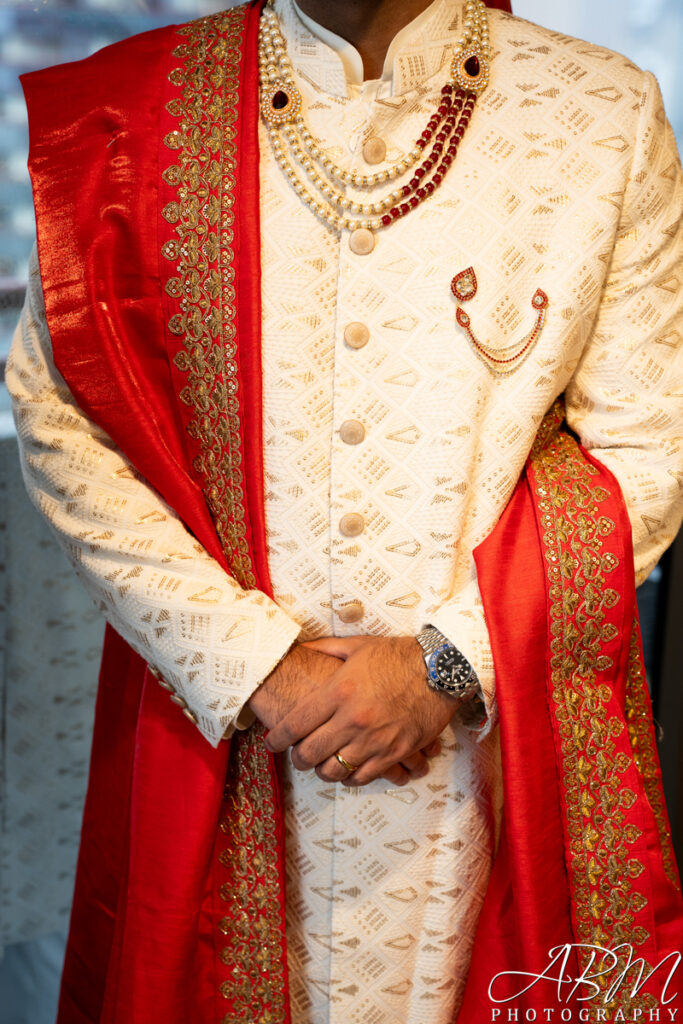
x,y
336,646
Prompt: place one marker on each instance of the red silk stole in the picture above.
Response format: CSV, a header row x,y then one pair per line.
x,y
155,323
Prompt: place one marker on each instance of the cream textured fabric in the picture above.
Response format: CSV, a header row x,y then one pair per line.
x,y
568,181
148,576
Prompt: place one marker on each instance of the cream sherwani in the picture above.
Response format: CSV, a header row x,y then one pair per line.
x,y
391,449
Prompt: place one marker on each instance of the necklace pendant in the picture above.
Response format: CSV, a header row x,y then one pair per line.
x,y
280,103
470,71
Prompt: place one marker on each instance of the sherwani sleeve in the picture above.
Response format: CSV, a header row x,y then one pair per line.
x,y
625,400
209,639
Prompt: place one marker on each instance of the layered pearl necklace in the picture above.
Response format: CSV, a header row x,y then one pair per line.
x,y
281,108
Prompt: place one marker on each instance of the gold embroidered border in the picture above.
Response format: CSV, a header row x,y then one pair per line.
x,y
202,289
251,943
254,949
603,872
638,722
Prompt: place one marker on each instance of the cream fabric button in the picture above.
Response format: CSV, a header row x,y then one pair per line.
x,y
177,699
356,334
191,715
361,241
352,524
374,150
352,432
352,612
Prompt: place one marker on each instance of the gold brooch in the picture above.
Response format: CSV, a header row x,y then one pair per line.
x,y
499,361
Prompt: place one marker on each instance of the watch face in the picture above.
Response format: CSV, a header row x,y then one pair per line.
x,y
449,665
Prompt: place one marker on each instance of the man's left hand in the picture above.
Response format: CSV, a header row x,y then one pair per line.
x,y
376,711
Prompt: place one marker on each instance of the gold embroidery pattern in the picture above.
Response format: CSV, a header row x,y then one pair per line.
x,y
639,724
252,930
603,873
200,250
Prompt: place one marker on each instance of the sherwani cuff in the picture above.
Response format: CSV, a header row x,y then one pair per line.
x,y
285,636
461,620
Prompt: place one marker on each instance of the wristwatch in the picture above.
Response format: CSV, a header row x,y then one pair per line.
x,y
448,670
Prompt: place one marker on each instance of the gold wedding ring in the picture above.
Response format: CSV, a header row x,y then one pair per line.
x,y
346,764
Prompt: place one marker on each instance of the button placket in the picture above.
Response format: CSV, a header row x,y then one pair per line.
x,y
348,523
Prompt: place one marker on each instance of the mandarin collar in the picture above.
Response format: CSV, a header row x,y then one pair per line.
x,y
419,51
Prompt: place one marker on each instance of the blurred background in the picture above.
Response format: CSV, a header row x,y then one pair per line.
x,y
49,635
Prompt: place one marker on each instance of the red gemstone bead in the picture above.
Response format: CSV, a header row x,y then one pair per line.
x,y
386,220
404,208
414,202
420,173
406,190
443,109
459,132
437,148
421,144
441,137
426,136
452,149
422,192
472,66
437,178
433,124
447,160
413,183
447,89
394,212
460,94
429,187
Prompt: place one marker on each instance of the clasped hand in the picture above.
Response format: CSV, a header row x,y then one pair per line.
x,y
364,697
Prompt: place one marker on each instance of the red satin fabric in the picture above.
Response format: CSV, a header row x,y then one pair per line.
x,y
529,907
143,925
526,910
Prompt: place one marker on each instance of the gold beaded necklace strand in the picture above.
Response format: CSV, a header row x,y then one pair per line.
x,y
281,108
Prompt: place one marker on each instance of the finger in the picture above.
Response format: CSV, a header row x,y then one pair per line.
x,y
416,765
305,718
370,772
336,646
323,743
432,749
332,771
396,775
